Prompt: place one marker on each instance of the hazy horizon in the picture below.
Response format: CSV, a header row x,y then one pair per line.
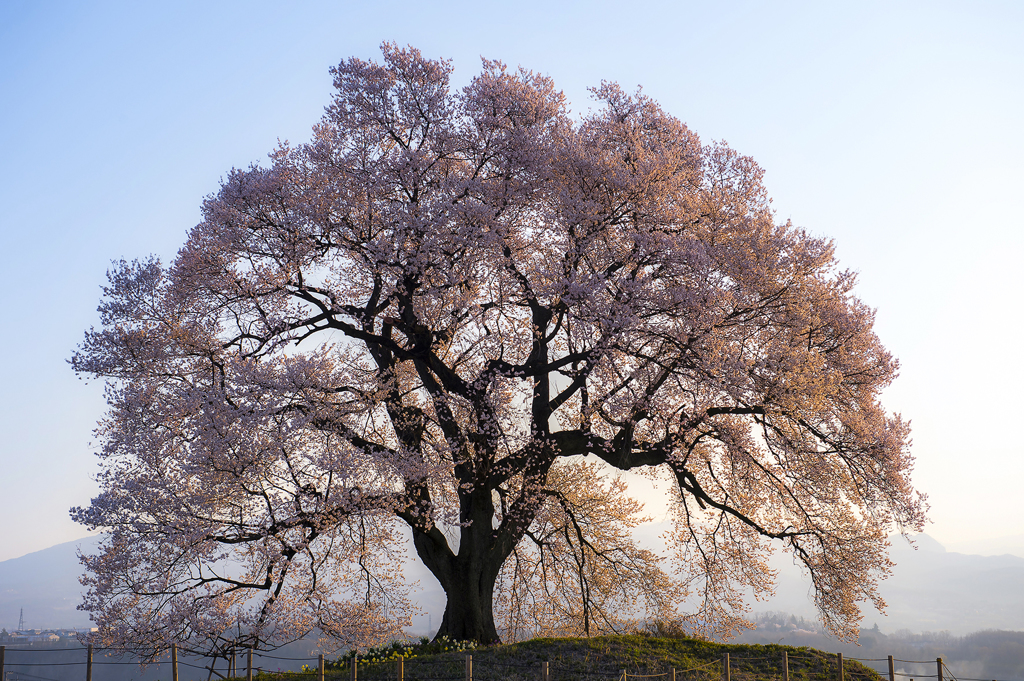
x,y
915,592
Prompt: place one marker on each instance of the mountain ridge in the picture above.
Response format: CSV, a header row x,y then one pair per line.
x,y
931,589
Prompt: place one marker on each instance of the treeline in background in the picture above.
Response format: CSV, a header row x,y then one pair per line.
x,y
989,654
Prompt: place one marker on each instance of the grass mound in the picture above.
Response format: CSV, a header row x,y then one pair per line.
x,y
604,657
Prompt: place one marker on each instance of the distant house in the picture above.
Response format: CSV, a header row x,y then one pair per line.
x,y
41,635
33,636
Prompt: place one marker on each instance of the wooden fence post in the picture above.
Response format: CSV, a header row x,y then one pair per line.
x,y
623,675
320,668
545,671
88,665
469,668
355,665
892,670
174,662
401,668
725,667
248,672
938,668
785,665
841,670
673,678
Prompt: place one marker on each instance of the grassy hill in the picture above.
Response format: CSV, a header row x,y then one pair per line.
x,y
604,657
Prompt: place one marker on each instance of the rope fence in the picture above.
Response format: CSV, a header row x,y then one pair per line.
x,y
421,670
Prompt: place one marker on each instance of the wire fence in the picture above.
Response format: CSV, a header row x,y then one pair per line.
x,y
255,665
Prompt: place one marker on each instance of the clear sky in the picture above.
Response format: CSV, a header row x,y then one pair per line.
x,y
895,128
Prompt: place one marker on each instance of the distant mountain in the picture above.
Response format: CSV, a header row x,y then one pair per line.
x,y
931,590
991,546
45,584
935,590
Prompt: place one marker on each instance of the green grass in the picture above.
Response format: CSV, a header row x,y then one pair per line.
x,y
603,657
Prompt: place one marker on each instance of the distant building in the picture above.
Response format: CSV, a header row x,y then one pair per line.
x,y
37,635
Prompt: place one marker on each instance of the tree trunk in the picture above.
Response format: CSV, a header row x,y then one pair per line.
x,y
468,579
469,613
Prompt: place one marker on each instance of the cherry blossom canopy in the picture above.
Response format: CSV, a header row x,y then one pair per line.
x,y
431,316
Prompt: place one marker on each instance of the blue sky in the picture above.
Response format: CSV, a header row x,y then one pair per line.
x,y
894,128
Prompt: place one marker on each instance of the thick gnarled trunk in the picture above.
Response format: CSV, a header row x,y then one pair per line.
x,y
469,576
468,580
469,613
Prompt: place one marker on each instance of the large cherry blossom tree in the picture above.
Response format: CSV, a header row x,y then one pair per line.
x,y
454,311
